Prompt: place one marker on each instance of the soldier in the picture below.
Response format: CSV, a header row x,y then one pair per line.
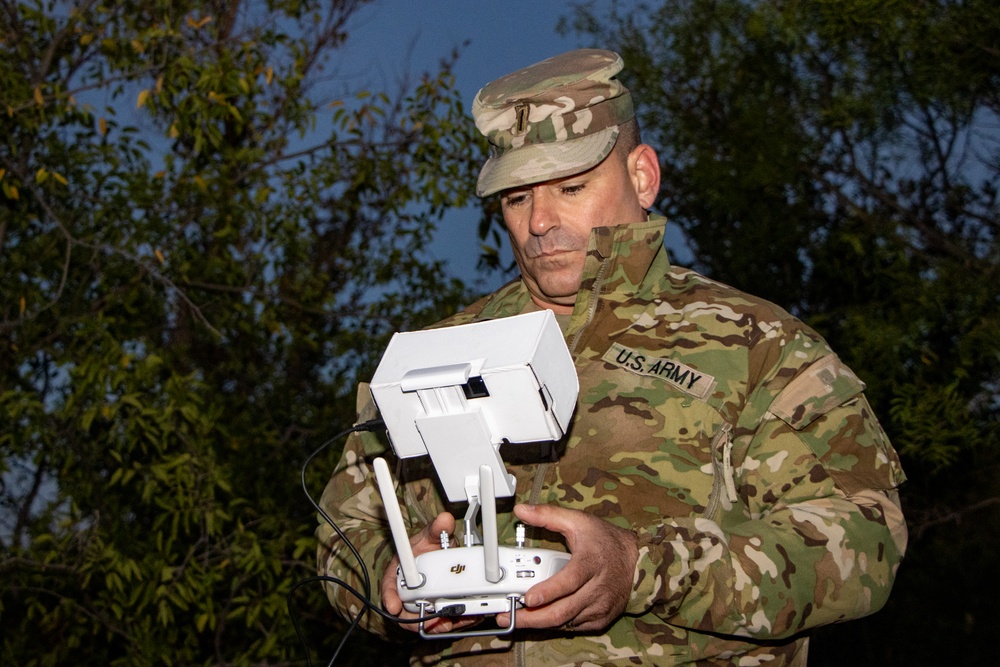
x,y
724,486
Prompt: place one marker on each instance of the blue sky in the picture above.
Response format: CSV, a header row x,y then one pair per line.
x,y
393,37
503,35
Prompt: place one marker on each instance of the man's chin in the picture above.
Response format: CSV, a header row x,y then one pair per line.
x,y
560,292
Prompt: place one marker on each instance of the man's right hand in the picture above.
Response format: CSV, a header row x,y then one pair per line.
x,y
428,539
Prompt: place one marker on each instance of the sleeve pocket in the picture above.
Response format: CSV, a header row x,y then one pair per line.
x,y
825,405
821,387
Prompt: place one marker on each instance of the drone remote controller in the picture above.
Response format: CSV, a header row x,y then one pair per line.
x,y
456,579
465,581
457,394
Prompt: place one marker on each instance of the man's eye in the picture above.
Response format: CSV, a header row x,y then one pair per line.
x,y
514,200
572,189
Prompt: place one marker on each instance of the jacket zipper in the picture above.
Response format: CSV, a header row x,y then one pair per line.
x,y
595,296
723,469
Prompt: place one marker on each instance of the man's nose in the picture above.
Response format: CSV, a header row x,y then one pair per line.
x,y
543,214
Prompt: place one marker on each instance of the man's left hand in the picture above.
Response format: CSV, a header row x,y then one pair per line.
x,y
593,589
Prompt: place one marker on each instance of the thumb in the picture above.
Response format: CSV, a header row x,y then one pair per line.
x,y
442,523
550,517
431,534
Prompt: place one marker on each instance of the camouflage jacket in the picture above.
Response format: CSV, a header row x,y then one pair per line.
x,y
724,432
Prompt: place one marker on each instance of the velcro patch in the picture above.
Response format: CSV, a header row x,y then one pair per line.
x,y
687,379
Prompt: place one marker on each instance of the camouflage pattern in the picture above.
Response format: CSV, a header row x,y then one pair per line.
x,y
555,118
721,430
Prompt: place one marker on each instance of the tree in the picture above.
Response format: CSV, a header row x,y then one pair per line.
x,y
843,160
203,244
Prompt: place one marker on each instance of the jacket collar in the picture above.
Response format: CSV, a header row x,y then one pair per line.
x,y
618,260
620,257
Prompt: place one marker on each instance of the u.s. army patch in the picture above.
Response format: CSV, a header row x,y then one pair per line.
x,y
687,379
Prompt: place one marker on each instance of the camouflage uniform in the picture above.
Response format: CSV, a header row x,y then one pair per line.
x,y
722,431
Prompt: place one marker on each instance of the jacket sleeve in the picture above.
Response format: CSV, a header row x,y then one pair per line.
x,y
811,531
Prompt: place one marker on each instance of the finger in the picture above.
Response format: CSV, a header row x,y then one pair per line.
x,y
390,596
553,615
543,516
570,578
584,611
429,538
566,522
564,583
439,625
443,522
392,602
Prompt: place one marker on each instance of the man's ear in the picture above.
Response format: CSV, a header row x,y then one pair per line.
x,y
644,171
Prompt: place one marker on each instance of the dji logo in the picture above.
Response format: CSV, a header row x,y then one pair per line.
x,y
457,569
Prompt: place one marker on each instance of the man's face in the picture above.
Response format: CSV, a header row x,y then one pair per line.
x,y
549,225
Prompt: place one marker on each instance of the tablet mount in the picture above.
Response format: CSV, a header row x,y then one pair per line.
x,y
456,394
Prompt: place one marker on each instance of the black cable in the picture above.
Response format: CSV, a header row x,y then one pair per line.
x,y
364,598
369,425
448,612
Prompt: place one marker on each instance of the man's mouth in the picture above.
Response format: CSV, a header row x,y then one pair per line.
x,y
549,252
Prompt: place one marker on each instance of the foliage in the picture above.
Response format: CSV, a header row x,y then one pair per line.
x,y
843,160
202,245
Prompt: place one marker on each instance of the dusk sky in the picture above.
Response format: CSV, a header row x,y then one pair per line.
x,y
393,37
503,35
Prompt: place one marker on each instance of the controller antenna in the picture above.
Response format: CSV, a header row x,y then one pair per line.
x,y
407,563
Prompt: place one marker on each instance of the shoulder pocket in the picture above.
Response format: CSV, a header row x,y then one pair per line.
x,y
821,387
827,409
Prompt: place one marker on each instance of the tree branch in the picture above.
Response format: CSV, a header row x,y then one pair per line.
x,y
954,516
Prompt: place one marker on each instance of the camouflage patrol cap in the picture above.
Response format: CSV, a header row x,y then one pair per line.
x,y
552,119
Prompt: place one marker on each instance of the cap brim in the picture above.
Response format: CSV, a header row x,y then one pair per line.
x,y
544,162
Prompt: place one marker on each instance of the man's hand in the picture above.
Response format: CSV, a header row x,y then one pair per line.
x,y
594,587
428,539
